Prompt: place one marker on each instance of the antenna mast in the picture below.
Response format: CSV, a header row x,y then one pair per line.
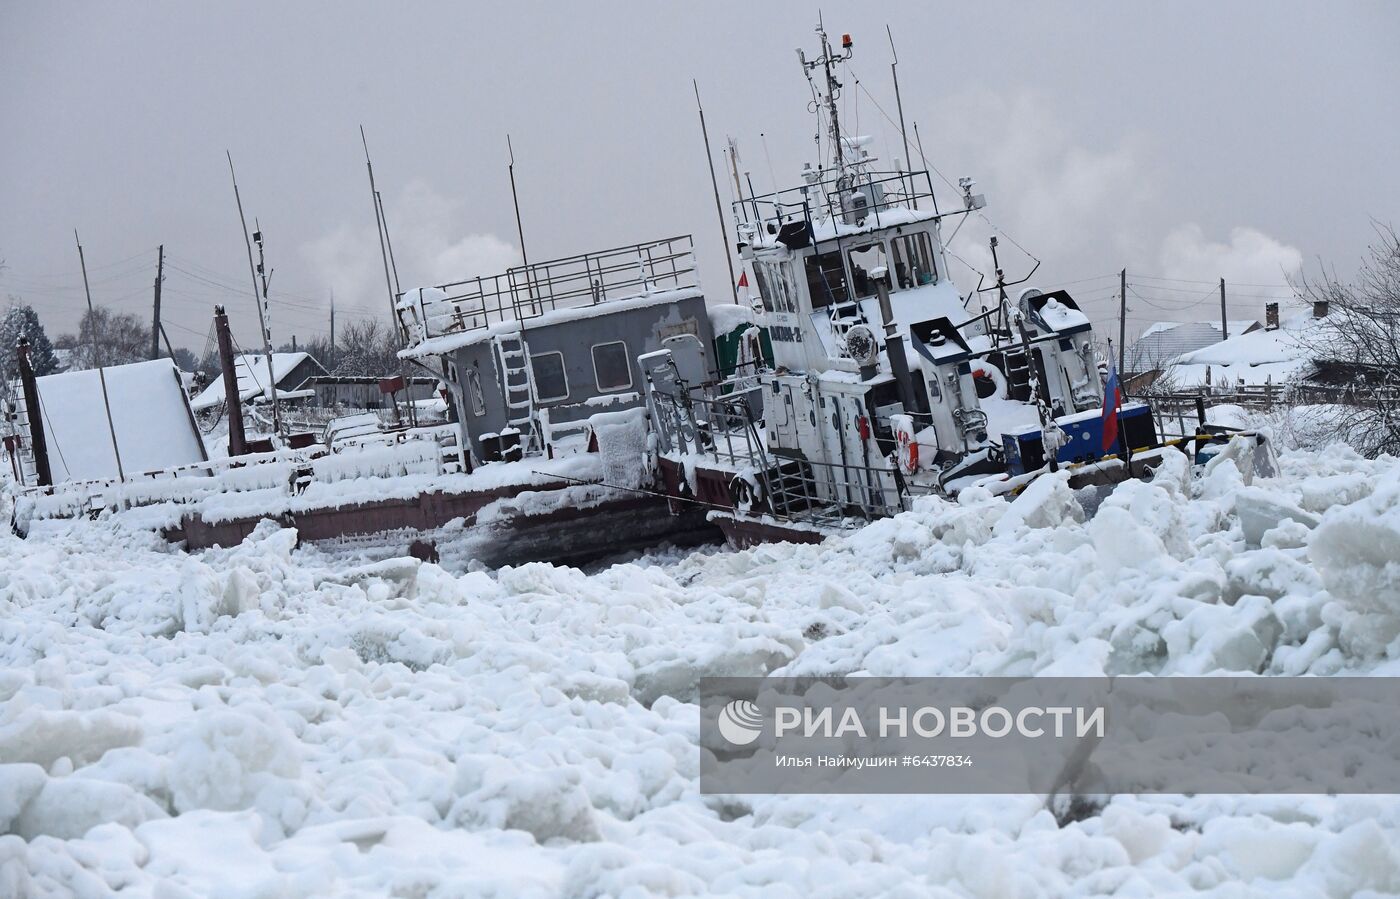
x,y
101,374
899,104
256,272
379,226
519,228
714,183
833,90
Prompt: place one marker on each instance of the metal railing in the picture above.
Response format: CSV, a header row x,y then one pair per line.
x,y
826,199
428,450
830,491
724,429
721,427
528,292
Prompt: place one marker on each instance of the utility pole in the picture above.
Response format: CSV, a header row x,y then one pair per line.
x,y
332,321
1224,321
155,324
714,183
1122,316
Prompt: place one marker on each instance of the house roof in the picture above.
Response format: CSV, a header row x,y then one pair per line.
x,y
1163,341
1255,358
252,377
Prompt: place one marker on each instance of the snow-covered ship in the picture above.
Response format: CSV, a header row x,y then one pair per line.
x,y
544,458
886,382
598,403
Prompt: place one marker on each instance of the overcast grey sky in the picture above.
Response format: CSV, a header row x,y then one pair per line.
x,y
1185,141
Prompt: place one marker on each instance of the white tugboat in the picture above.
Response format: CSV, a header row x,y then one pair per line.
x,y
886,382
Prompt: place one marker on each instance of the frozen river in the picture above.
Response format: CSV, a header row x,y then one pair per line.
x,y
266,721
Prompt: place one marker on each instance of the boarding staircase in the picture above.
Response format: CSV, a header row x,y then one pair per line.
x,y
792,489
845,315
518,384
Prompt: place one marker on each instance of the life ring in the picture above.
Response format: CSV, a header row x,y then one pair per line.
x,y
988,374
908,452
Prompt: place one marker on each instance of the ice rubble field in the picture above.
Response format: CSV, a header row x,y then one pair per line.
x,y
266,721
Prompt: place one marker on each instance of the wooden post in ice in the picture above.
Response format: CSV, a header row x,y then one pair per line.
x,y
35,416
155,322
237,442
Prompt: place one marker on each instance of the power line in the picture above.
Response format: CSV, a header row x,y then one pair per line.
x,y
1182,304
982,215
99,268
1215,289
1187,281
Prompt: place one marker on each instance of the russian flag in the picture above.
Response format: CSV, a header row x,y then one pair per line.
x,y
1112,400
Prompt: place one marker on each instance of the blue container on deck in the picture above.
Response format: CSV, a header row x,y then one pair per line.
x,y
1025,451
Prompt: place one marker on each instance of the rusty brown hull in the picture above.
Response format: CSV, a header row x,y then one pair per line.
x,y
562,533
743,533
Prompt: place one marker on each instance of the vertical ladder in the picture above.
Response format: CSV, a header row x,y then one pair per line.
x,y
518,385
1018,375
21,428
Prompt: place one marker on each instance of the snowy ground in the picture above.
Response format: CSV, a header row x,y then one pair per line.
x,y
263,721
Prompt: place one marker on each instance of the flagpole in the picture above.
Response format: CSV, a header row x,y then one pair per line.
x,y
1123,436
1113,398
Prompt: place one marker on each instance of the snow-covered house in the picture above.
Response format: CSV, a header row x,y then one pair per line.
x,y
292,371
1258,358
1165,341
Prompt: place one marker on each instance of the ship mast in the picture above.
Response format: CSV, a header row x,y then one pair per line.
x,y
827,98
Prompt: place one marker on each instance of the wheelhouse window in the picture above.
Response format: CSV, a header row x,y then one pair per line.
x,y
864,260
913,261
765,286
826,279
550,382
611,368
775,287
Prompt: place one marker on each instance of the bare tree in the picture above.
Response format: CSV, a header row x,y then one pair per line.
x,y
366,348
1358,345
117,337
